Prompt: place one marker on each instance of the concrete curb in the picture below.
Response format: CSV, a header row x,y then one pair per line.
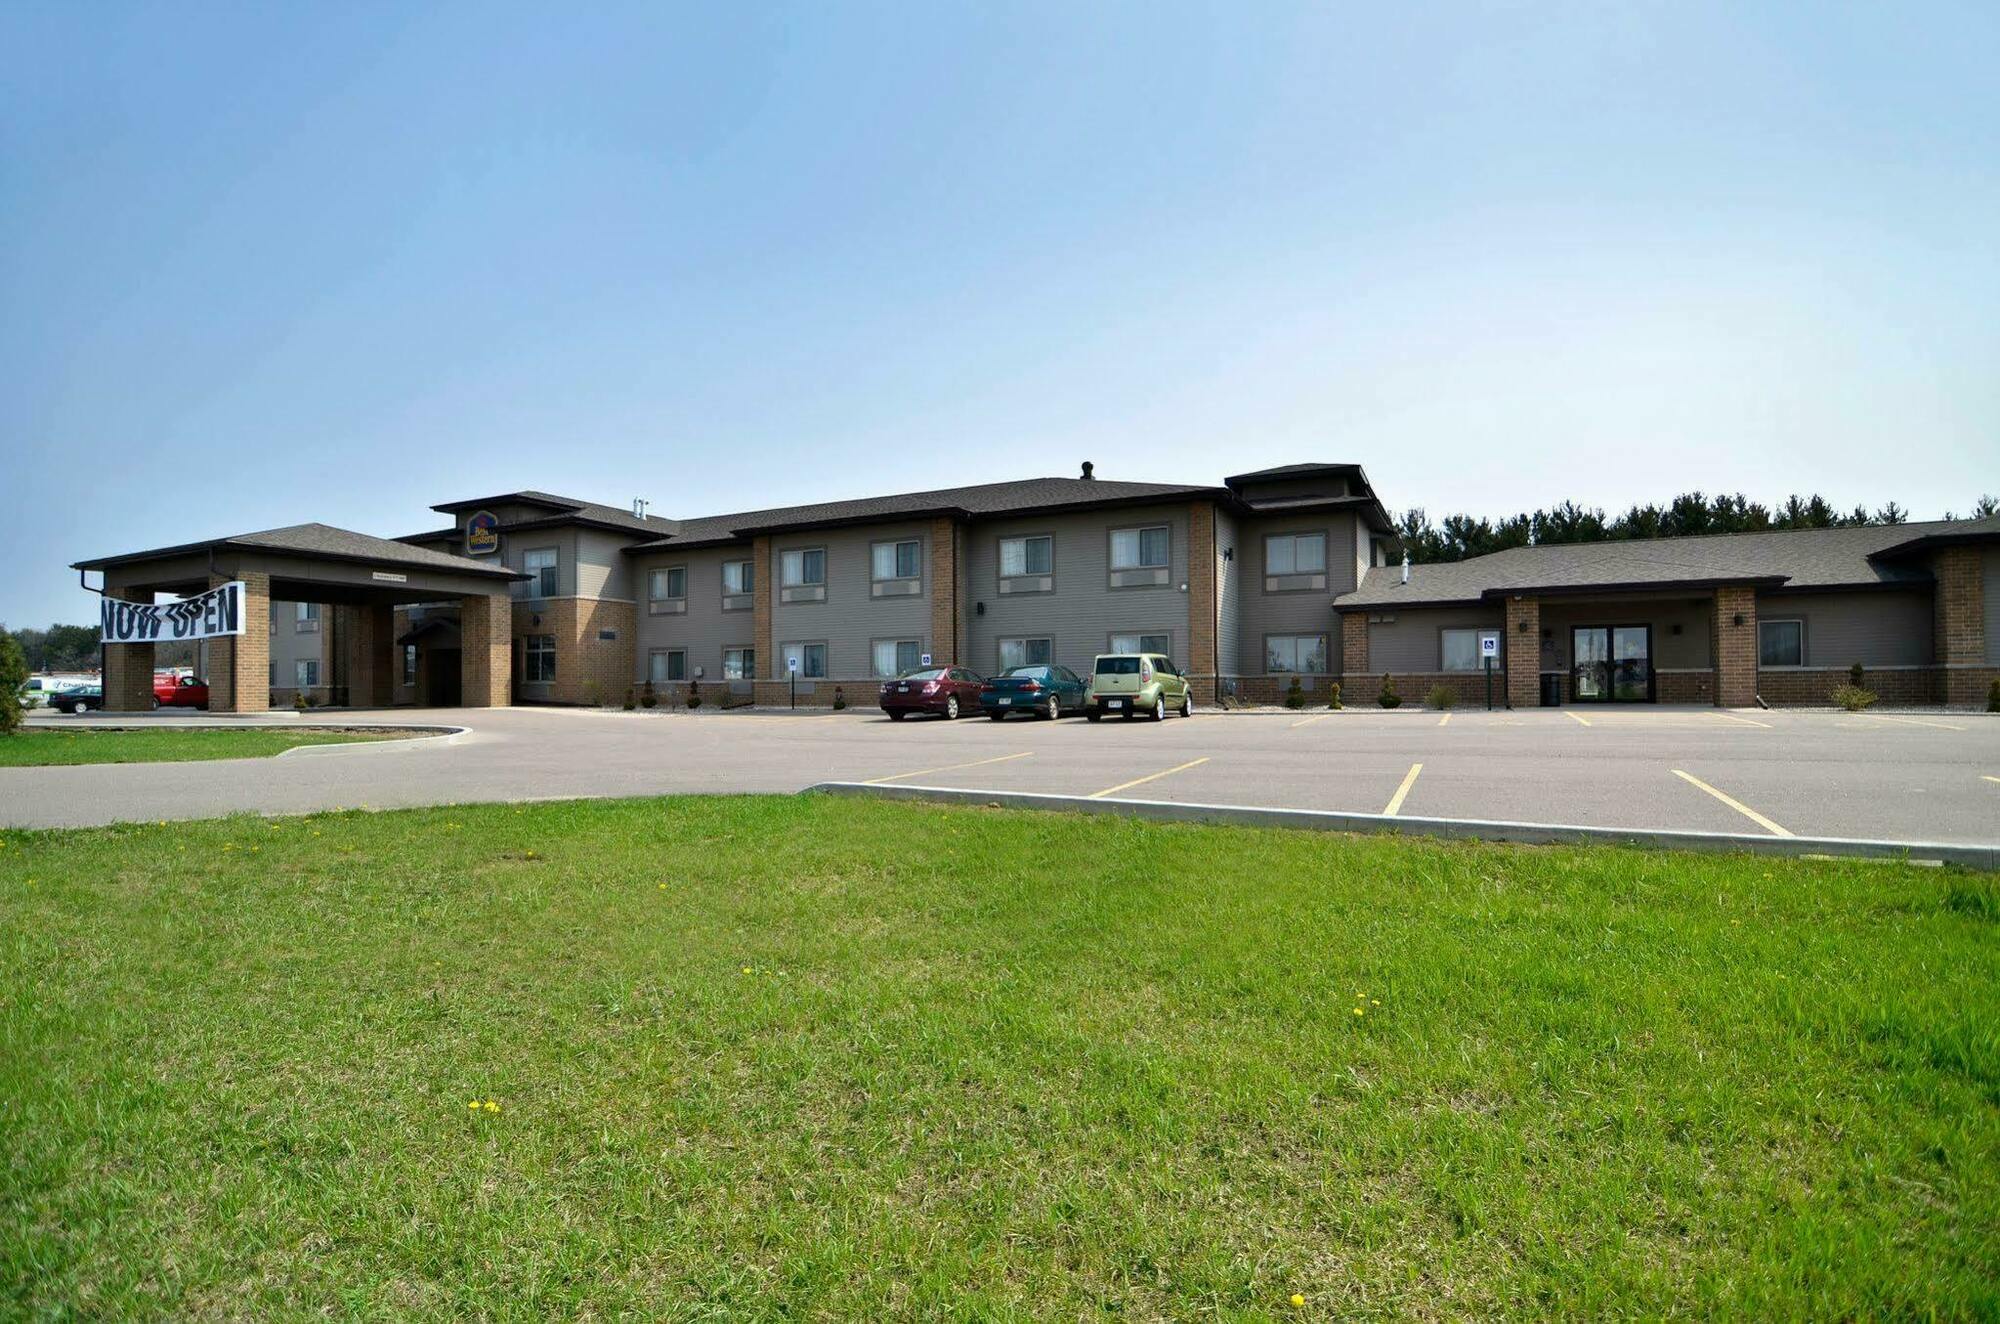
x,y
1470,829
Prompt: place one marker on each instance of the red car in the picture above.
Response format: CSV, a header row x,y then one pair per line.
x,y
171,691
947,691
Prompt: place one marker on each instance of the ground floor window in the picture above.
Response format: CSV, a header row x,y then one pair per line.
x,y
1026,652
274,675
739,663
1781,643
895,656
409,664
539,659
808,661
1142,643
1304,653
1458,650
667,664
308,672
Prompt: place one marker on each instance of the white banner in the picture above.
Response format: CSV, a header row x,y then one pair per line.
x,y
204,616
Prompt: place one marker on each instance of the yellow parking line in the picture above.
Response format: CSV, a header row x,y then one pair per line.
x,y
949,767
1444,719
1574,718
1396,800
1735,804
1913,721
1141,781
1310,720
1732,717
1984,777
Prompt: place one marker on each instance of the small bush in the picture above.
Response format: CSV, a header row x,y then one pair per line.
x,y
1388,698
1333,696
1993,697
839,698
1853,698
1441,697
1855,675
1295,697
648,696
694,694
593,694
13,684
299,700
631,699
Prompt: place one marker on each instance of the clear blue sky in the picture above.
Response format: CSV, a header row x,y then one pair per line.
x,y
267,264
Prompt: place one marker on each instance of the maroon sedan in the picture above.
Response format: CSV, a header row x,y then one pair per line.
x,y
947,691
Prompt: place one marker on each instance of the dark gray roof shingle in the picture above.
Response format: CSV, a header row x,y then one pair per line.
x,y
326,541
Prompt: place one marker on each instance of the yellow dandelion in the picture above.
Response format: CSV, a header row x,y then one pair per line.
x,y
746,969
1359,1012
492,1106
1297,1299
474,1105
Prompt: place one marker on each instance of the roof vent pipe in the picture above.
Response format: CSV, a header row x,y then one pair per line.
x,y
639,507
1087,467
1406,566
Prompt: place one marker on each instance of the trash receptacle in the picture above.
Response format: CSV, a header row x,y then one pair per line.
x,y
1552,691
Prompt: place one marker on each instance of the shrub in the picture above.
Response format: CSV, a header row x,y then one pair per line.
x,y
694,694
593,694
1855,675
299,700
1388,698
1993,697
631,699
1441,696
839,698
13,684
1333,696
1295,697
1853,698
648,696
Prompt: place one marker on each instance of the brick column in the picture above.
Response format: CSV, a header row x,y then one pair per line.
x,y
1201,600
128,668
368,633
944,592
1353,647
1959,625
1521,651
486,634
239,666
1735,647
766,688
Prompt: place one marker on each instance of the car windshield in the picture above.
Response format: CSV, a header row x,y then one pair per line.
x,y
1027,673
924,673
1117,666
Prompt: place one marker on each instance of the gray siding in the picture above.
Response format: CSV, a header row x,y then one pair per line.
x,y
1297,611
513,546
1228,596
290,645
601,566
1082,611
1883,629
850,618
1989,567
704,629
1411,641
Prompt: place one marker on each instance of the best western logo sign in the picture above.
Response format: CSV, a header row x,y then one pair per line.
x,y
204,616
482,536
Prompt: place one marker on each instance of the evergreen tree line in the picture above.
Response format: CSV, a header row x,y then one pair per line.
x,y
58,648
1457,537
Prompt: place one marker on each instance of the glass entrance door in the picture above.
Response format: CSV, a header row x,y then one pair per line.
x,y
1611,663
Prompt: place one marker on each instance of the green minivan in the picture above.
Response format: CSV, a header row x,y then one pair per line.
x,y
1125,683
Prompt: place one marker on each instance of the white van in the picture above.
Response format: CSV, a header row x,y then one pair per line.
x,y
43,688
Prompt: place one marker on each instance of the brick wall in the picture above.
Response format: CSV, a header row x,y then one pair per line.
x,y
368,633
1674,686
944,589
1735,646
1959,631
589,669
760,609
485,625
239,666
1201,600
1521,650
128,668
1354,642
1812,687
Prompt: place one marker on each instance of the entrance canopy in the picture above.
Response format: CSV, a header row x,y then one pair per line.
x,y
308,563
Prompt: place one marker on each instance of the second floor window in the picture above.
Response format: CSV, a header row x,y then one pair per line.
x,y
541,564
1139,549
896,560
308,619
669,583
803,566
739,577
1295,554
1027,556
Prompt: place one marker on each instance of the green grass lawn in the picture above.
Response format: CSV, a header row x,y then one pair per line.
x,y
41,747
761,1057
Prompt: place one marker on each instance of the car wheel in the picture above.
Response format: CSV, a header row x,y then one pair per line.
x,y
1160,709
1054,709
1187,705
1093,716
156,700
897,714
951,709
996,717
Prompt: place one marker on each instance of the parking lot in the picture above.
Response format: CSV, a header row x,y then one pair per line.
x,y
1903,777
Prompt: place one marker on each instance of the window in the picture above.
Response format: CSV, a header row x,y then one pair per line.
x,y
1458,650
1781,643
895,656
308,617
307,669
811,659
540,659
1295,554
1139,549
1141,643
739,663
1295,652
409,664
666,664
895,560
540,563
1024,652
1027,556
806,565
739,577
669,583
274,675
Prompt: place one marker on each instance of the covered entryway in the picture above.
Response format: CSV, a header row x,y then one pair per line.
x,y
1611,663
366,577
